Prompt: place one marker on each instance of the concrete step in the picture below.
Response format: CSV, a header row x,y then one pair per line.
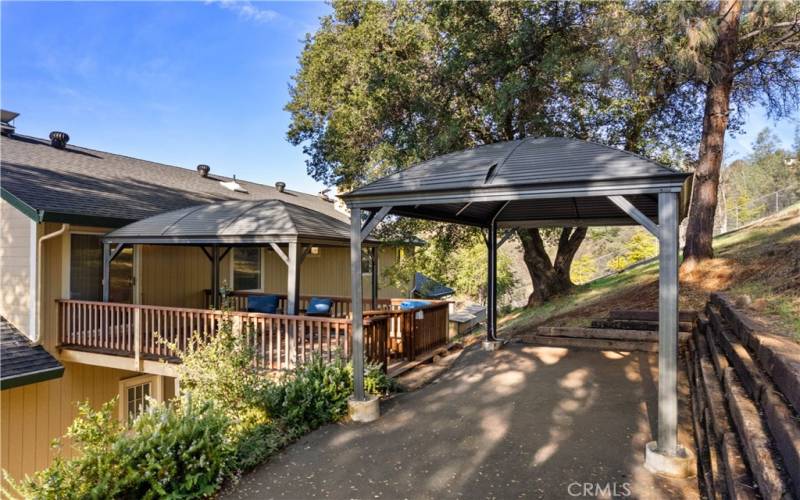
x,y
585,343
604,333
648,315
636,324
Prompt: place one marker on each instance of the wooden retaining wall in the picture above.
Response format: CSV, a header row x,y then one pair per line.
x,y
745,394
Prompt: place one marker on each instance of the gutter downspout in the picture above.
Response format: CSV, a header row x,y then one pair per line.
x,y
39,258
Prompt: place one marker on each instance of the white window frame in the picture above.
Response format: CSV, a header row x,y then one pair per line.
x,y
261,273
156,392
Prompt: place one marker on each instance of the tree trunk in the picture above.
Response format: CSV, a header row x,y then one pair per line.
x,y
699,232
550,278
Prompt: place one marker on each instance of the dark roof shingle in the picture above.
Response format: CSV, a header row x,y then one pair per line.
x,y
22,363
83,182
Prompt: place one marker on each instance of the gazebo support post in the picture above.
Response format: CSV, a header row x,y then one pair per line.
x,y
665,455
293,284
215,275
356,307
491,286
668,323
108,257
362,409
106,271
373,255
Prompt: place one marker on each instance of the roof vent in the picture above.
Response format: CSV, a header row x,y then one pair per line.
x,y
233,185
5,121
59,139
203,170
280,186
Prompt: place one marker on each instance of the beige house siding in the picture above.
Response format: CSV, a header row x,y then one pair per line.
x,y
33,415
17,250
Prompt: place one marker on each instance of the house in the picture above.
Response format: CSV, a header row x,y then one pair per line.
x,y
59,202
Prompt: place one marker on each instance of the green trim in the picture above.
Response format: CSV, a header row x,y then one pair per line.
x,y
31,378
85,220
20,205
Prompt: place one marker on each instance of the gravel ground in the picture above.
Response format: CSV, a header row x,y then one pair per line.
x,y
522,422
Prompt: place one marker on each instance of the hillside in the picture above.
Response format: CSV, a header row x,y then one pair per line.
x,y
759,263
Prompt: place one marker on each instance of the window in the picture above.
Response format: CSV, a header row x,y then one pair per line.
x,y
137,400
86,270
246,268
135,394
86,267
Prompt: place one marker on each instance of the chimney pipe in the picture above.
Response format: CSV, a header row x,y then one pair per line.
x,y
59,139
203,170
280,186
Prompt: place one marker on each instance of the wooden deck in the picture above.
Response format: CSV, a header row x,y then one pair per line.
x,y
279,341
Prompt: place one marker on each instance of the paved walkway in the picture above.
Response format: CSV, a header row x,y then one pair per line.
x,y
523,422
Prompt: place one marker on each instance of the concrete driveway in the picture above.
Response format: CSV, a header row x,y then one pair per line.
x,y
523,422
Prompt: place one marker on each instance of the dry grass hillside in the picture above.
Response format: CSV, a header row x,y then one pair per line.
x,y
759,263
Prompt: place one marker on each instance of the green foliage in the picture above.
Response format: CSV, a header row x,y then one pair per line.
x,y
641,246
221,370
316,393
171,451
583,269
463,268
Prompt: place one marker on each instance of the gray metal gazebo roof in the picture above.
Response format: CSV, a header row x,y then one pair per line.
x,y
236,223
546,181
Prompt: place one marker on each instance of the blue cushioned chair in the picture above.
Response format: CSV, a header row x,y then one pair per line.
x,y
263,304
319,307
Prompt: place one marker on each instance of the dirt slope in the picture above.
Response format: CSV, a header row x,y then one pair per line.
x,y
759,263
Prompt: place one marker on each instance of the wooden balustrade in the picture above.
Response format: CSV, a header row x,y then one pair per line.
x,y
237,300
412,332
278,341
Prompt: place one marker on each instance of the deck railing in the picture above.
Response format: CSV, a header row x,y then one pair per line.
x,y
279,341
411,331
237,300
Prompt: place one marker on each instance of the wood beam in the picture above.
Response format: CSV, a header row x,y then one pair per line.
x,y
634,213
278,250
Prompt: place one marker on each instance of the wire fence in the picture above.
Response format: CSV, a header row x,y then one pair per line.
x,y
732,216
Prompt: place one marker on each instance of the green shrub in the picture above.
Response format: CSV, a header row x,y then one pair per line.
x,y
316,393
312,394
178,451
221,370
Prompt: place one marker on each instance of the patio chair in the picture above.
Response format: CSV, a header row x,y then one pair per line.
x,y
263,304
318,306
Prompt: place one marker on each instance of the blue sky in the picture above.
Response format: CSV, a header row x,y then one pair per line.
x,y
179,83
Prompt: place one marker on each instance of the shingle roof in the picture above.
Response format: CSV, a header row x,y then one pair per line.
x,y
21,362
235,222
80,182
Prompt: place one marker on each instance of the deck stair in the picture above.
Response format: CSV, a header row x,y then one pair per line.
x,y
621,331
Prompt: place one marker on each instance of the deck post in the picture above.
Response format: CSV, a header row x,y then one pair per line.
x,y
106,271
491,285
373,253
137,338
293,284
357,305
668,323
215,275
